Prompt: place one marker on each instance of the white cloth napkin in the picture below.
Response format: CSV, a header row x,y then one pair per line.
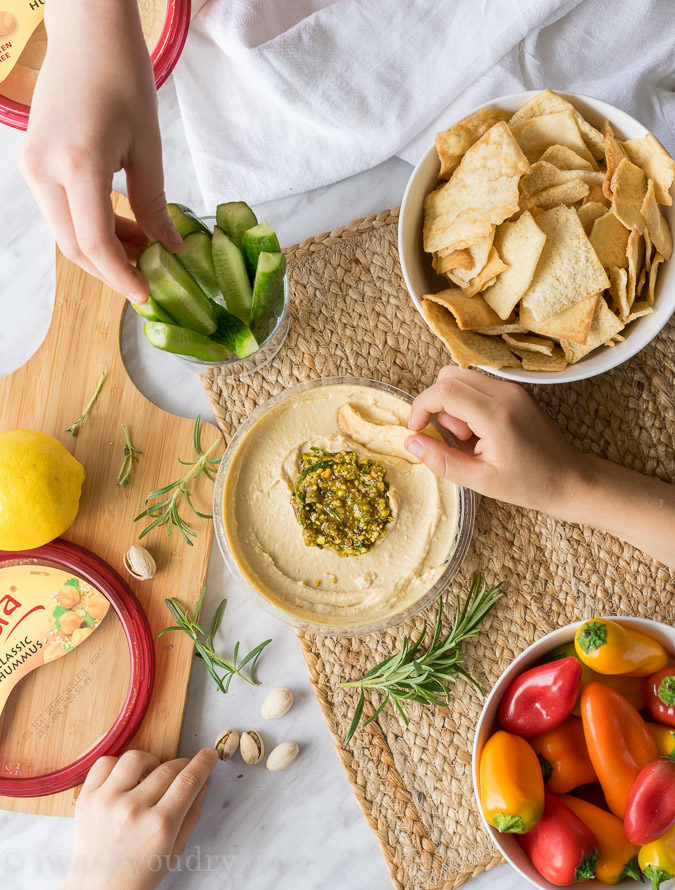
x,y
282,96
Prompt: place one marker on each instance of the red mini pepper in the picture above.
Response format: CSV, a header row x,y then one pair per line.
x,y
650,809
660,695
540,699
560,846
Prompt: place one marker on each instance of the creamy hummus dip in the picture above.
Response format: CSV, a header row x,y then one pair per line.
x,y
318,584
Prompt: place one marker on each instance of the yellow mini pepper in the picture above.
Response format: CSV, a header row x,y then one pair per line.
x,y
664,737
609,648
511,784
657,860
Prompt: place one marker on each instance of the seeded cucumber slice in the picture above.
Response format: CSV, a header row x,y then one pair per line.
x,y
176,291
268,292
234,334
197,258
234,218
185,220
151,311
172,338
256,240
231,274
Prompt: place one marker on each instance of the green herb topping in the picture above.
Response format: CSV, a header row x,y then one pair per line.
x,y
340,501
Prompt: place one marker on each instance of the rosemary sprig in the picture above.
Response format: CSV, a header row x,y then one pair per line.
x,y
124,475
204,644
74,428
413,675
168,498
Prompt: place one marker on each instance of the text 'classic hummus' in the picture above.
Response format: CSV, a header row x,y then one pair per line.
x,y
317,583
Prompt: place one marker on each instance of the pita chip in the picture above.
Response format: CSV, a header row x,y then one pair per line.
x,y
537,361
618,290
648,154
536,134
546,102
629,187
487,276
609,238
614,154
479,253
467,348
572,324
565,159
604,327
659,231
635,251
453,144
588,213
568,270
520,244
469,312
653,274
638,310
566,193
543,175
529,343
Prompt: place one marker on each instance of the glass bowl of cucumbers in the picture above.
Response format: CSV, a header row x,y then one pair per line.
x,y
223,299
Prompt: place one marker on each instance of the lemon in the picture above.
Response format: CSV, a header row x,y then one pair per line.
x,y
40,485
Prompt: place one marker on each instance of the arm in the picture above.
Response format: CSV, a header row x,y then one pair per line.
x,y
510,451
133,819
94,112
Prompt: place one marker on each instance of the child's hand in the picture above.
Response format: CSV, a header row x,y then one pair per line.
x,y
133,819
507,448
94,112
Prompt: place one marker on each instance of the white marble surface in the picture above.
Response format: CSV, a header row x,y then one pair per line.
x,y
301,828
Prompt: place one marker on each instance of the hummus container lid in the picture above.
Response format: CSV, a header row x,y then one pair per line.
x,y
165,25
367,624
76,667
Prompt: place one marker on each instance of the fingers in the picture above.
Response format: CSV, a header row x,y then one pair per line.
x,y
130,769
184,789
444,461
155,785
94,225
455,398
145,184
99,773
189,823
459,428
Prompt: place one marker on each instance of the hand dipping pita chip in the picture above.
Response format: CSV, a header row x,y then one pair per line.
x,y
609,238
482,192
648,154
381,438
572,324
520,244
469,312
604,326
536,134
659,231
466,348
629,186
565,159
568,270
547,102
453,144
529,343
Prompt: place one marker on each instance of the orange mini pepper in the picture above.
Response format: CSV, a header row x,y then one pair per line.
x,y
657,860
618,742
511,784
618,857
664,738
563,757
609,648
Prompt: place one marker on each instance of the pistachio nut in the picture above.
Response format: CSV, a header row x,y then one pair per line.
x,y
227,743
281,756
140,563
277,703
251,747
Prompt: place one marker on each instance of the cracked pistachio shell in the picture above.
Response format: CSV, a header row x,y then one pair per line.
x,y
139,563
227,743
252,747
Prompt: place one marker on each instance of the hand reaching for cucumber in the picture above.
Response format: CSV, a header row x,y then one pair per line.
x,y
94,112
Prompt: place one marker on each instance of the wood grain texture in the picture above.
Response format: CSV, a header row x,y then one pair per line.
x,y
48,393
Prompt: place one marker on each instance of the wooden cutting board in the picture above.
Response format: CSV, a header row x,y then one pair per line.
x,y
48,393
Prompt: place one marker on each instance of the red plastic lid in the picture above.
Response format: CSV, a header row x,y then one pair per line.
x,y
89,671
164,57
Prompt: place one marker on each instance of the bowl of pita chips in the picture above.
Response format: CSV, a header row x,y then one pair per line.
x,y
535,237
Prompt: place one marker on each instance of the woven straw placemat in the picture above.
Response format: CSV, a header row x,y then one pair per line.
x,y
352,315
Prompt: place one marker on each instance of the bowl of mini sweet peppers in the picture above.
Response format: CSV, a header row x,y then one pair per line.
x,y
574,756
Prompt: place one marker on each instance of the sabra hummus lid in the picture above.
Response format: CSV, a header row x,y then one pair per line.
x,y
23,43
76,667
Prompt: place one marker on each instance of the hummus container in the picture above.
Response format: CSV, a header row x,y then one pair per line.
x,y
76,667
165,26
316,589
507,844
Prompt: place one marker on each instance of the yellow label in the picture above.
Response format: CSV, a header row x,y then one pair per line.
x,y
18,21
44,614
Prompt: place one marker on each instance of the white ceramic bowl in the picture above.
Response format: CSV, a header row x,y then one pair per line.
x,y
507,844
421,279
